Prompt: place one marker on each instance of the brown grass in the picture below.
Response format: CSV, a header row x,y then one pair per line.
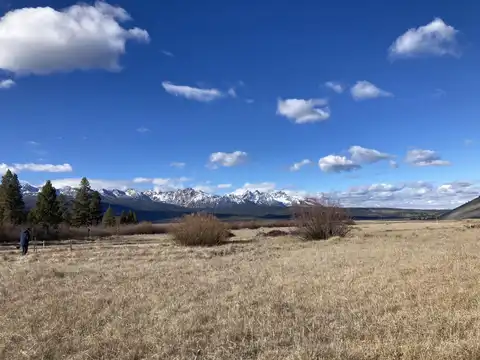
x,y
400,291
200,229
321,220
11,234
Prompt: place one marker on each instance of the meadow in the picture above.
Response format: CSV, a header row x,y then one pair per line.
x,y
389,290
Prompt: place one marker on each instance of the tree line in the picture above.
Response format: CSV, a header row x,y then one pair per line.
x,y
51,209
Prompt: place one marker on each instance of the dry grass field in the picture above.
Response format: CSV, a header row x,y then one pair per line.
x,y
404,290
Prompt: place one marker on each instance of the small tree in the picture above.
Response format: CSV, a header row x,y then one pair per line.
x,y
81,205
95,208
32,217
12,207
47,210
109,218
132,217
123,218
65,211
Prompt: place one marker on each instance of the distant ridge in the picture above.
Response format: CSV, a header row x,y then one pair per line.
x,y
470,210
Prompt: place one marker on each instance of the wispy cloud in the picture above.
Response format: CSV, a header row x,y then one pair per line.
x,y
167,53
178,165
192,93
297,166
143,130
33,167
364,90
420,157
335,86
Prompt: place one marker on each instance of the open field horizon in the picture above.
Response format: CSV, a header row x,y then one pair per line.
x,y
389,290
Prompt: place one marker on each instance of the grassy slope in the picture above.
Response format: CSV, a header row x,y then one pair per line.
x,y
470,210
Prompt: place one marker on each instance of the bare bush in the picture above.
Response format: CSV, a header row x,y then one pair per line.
x,y
200,229
321,219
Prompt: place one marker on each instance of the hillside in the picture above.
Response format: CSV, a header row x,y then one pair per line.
x,y
470,210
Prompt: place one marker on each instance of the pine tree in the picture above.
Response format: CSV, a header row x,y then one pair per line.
x,y
134,218
81,205
123,218
65,211
48,210
109,218
95,208
12,207
32,218
131,217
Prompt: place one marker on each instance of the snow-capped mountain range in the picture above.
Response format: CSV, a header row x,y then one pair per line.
x,y
189,198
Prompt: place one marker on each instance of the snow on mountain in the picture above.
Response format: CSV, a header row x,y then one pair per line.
x,y
188,197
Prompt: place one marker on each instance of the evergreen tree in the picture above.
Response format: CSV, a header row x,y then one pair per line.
x,y
131,217
12,207
96,208
123,218
109,218
65,212
48,210
81,204
32,218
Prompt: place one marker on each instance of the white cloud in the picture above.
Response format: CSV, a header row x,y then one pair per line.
x,y
167,53
335,86
361,155
227,159
249,101
96,184
468,142
393,164
364,90
413,195
262,187
192,93
232,93
297,166
303,111
163,184
419,157
143,130
32,167
178,165
209,188
435,39
43,40
336,163
7,84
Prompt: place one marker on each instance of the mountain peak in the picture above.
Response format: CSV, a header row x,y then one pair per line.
x,y
187,197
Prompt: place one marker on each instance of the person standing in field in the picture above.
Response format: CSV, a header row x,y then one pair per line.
x,y
24,240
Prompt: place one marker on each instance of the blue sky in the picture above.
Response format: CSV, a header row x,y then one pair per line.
x,y
235,93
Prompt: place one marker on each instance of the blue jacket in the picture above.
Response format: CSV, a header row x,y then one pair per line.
x,y
24,238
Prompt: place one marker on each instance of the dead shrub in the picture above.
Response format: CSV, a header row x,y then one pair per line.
x,y
199,229
321,220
